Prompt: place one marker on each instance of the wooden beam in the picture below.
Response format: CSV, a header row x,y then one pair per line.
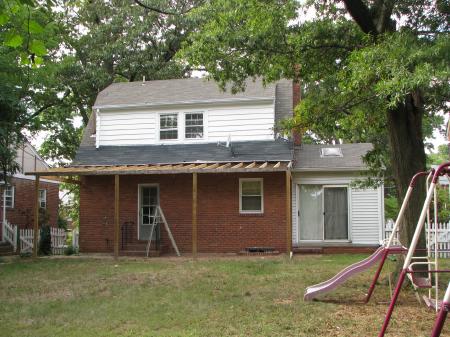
x,y
288,214
116,215
36,217
251,165
194,215
238,166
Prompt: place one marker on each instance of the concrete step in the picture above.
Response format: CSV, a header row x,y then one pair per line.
x,y
6,249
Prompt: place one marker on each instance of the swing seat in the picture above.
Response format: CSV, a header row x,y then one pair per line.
x,y
421,282
431,303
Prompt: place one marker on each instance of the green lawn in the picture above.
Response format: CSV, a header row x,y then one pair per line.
x,y
210,297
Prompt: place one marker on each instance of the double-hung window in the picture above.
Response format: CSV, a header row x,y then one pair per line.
x,y
168,126
43,199
8,196
194,125
251,199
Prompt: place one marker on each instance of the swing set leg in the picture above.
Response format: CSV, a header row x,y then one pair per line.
x,y
398,288
377,275
440,320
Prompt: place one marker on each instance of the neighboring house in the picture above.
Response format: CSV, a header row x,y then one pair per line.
x,y
19,195
216,165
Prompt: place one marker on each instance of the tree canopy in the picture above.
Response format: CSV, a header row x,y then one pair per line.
x,y
371,71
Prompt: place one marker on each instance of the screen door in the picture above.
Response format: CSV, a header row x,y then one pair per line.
x,y
335,204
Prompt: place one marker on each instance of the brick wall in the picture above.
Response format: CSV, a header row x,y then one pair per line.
x,y
23,212
220,226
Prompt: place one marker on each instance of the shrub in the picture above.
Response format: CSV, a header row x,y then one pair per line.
x,y
45,241
69,250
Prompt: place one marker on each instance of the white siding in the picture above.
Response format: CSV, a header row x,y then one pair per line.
x,y
366,215
141,126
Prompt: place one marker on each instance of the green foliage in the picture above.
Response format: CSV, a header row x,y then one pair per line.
x,y
45,241
391,207
351,77
69,250
439,157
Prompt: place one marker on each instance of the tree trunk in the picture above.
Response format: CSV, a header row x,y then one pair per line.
x,y
407,158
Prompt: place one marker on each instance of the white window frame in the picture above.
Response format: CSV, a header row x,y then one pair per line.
x,y
241,180
324,185
13,188
45,198
185,126
171,129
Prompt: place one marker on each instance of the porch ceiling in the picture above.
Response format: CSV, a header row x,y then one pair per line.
x,y
209,167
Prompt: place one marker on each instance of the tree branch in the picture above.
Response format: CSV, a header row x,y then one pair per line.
x,y
162,11
361,14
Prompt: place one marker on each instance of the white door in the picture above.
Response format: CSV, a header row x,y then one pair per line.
x,y
148,200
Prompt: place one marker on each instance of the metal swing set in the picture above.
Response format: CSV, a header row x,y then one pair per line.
x,y
431,281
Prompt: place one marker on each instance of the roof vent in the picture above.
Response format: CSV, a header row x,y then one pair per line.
x,y
331,152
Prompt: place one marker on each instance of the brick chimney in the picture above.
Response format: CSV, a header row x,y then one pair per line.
x,y
296,98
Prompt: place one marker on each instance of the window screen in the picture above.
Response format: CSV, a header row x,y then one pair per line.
x,y
194,125
168,126
251,196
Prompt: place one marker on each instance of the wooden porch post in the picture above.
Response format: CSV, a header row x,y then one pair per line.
x,y
116,216
36,217
288,213
194,215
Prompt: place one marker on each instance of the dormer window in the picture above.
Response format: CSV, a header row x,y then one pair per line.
x,y
331,152
194,125
168,127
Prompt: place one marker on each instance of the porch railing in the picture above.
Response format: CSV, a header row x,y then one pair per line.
x,y
9,233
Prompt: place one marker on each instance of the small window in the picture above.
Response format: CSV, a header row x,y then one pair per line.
x,y
168,126
194,125
331,152
43,199
251,195
8,196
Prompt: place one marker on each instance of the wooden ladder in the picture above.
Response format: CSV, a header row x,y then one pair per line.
x,y
157,219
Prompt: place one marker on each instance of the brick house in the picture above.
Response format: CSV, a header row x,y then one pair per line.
x,y
217,166
18,197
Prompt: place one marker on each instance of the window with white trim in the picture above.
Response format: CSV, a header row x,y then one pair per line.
x,y
8,196
251,198
43,199
193,125
168,126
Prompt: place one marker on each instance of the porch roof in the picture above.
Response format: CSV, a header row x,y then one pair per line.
x,y
199,167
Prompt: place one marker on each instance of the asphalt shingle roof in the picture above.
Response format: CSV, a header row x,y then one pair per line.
x,y
308,157
187,90
273,150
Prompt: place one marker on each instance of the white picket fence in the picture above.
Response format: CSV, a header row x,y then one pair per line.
x,y
59,237
27,240
58,240
443,236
